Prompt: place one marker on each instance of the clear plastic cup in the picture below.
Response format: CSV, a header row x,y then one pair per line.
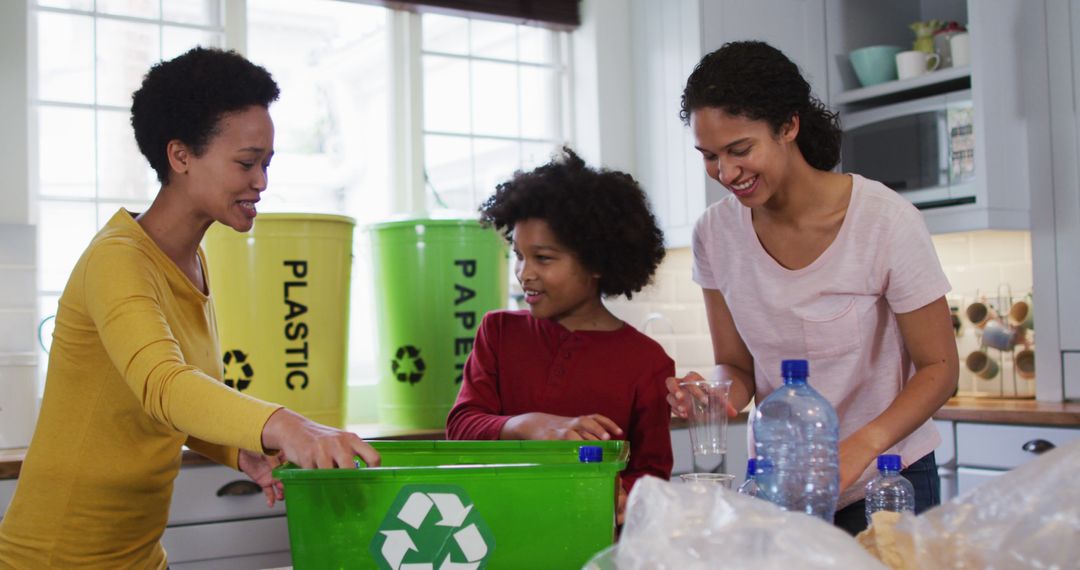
x,y
725,479
707,417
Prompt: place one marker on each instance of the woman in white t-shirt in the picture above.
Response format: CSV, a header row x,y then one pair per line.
x,y
803,262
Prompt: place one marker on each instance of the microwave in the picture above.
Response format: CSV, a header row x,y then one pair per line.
x,y
924,149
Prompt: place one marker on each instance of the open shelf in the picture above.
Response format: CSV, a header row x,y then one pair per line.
x,y
902,85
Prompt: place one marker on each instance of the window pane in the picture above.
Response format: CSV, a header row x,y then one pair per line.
x,y
201,12
123,171
175,41
64,231
447,34
539,103
536,45
446,94
495,98
448,165
71,4
494,162
125,51
136,8
65,57
494,39
535,154
65,152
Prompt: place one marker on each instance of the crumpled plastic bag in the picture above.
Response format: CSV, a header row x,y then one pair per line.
x,y
690,526
1026,518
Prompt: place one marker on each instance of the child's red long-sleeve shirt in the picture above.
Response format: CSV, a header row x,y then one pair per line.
x,y
520,364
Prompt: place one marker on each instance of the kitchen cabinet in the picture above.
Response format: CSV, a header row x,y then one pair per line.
x,y
669,40
734,460
1007,78
7,490
984,451
1055,229
945,455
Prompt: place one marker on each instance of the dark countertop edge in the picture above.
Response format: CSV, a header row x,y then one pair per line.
x,y
986,410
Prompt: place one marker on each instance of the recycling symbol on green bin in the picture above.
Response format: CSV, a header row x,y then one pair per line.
x,y
407,365
432,527
241,374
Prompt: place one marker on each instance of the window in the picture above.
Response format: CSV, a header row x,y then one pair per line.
x,y
90,57
342,115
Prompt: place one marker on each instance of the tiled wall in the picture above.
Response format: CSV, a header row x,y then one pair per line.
x,y
977,264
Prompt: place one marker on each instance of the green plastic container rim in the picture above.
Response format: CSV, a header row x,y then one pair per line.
x,y
288,217
616,455
428,221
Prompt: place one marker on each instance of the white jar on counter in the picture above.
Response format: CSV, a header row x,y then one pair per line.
x,y
18,398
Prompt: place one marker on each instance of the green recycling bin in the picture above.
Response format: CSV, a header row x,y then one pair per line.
x,y
434,281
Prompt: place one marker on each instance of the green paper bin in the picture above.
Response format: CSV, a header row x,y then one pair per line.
x,y
456,504
434,281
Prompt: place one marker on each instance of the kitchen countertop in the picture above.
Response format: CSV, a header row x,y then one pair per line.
x,y
968,409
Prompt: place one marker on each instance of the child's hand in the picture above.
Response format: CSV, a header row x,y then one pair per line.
x,y
549,426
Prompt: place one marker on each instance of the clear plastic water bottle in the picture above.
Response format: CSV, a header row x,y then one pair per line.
x,y
749,486
889,491
797,433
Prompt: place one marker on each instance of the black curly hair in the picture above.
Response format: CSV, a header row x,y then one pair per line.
x,y
757,81
602,215
185,97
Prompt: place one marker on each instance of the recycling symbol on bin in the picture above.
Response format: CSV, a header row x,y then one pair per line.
x,y
407,365
432,527
241,374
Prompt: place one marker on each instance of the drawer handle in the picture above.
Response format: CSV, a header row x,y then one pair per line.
x,y
1038,446
239,488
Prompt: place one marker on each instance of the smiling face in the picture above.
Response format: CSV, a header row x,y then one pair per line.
x,y
557,286
744,155
223,184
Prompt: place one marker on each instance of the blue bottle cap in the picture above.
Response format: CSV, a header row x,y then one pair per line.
x,y
795,368
590,454
751,467
888,462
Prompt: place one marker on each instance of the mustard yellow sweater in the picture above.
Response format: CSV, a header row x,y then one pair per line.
x,y
134,373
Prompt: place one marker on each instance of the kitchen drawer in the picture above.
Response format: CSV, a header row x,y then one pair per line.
x,y
7,490
967,478
228,544
1002,446
734,459
195,497
945,454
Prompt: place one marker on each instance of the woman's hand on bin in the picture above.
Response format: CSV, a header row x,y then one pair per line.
x,y
260,468
313,445
679,398
549,426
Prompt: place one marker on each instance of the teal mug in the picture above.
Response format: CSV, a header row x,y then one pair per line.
x,y
874,64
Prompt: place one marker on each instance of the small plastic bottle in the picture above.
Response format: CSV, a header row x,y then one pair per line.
x,y
889,491
749,487
590,454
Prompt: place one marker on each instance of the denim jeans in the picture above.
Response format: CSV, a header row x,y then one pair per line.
x,y
923,475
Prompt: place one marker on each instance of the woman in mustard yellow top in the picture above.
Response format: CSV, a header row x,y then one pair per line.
x,y
135,372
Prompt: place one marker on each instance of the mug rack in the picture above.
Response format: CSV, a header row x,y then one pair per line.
x,y
989,371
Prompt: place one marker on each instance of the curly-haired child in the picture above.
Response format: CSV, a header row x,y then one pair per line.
x,y
567,368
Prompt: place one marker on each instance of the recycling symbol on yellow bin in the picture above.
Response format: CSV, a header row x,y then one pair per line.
x,y
432,527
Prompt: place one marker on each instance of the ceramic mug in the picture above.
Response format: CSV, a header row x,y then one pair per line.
x,y
1024,361
981,365
997,334
915,63
960,48
1021,315
978,313
874,64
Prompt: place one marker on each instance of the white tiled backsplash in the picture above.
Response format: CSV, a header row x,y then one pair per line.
x,y
978,264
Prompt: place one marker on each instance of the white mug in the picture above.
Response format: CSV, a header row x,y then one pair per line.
x,y
960,48
915,63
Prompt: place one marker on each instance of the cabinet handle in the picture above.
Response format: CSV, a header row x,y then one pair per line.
x,y
1038,446
239,488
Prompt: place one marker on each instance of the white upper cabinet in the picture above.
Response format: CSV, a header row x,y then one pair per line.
x,y
1004,87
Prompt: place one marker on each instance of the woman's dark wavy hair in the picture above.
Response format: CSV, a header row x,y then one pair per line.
x,y
602,215
185,97
757,81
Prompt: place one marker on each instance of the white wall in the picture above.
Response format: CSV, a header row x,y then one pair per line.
x,y
14,120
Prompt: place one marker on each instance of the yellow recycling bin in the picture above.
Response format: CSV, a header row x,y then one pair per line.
x,y
281,292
